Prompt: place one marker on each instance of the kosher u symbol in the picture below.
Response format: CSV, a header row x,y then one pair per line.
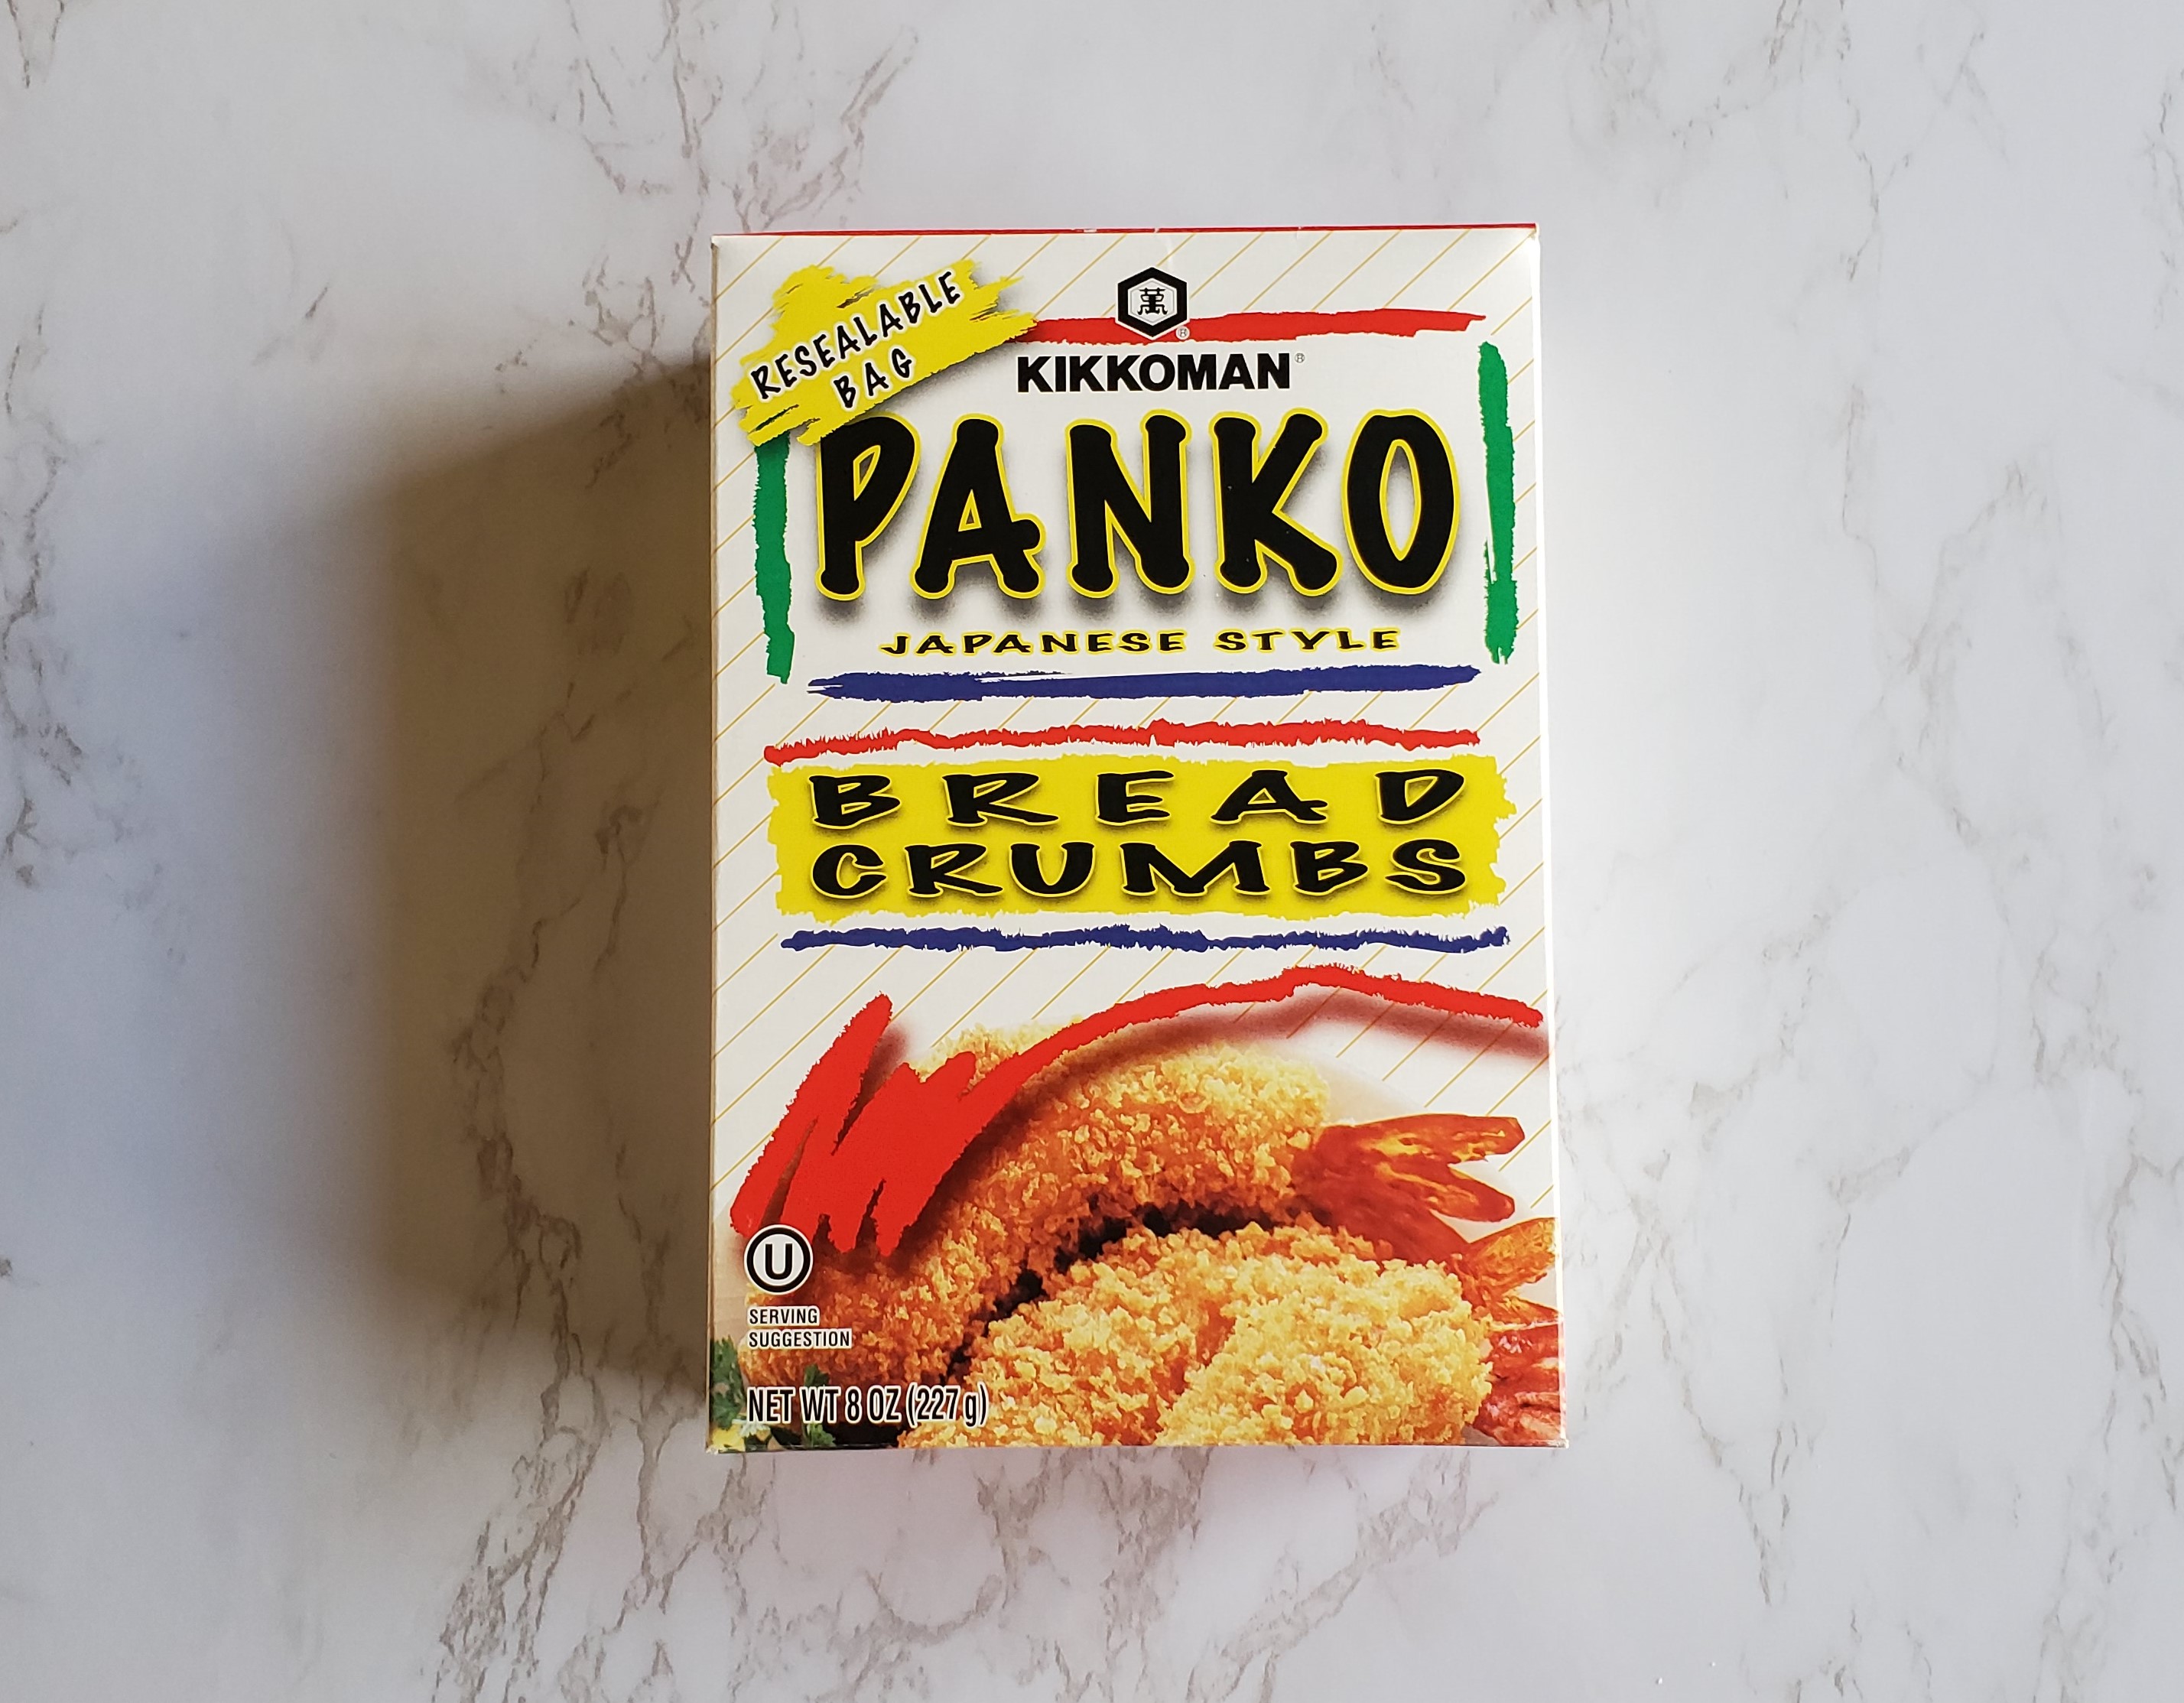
x,y
777,1259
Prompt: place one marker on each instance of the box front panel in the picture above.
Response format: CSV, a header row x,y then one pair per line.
x,y
1129,892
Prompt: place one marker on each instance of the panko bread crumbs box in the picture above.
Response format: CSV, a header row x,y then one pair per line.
x,y
1129,889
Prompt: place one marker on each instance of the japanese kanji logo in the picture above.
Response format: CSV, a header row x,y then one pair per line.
x,y
1152,303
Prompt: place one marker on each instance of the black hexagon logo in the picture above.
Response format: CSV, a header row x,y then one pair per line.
x,y
1153,302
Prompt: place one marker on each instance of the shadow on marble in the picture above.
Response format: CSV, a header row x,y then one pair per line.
x,y
546,850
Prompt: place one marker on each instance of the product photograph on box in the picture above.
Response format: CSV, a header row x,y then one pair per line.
x,y
1247,851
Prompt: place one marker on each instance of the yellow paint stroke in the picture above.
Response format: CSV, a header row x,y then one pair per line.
x,y
1187,795
842,346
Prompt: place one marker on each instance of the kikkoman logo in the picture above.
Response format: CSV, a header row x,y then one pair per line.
x,y
1152,303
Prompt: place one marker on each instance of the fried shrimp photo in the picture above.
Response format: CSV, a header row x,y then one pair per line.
x,y
1172,1245
1295,1334
1114,1134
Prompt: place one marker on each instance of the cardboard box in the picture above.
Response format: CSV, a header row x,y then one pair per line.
x,y
1130,882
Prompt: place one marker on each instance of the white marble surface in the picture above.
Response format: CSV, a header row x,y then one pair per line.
x,y
352,701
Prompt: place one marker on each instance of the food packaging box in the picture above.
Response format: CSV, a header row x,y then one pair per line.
x,y
1130,882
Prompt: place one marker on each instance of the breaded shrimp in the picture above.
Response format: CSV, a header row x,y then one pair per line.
x,y
1296,1333
1101,1360
1107,1136
1394,1355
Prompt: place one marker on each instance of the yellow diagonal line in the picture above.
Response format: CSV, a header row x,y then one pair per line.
x,y
947,962
1175,248
1521,882
1239,1014
772,244
1130,992
1356,270
1434,1098
728,916
780,993
795,1046
1082,970
1443,1022
1288,269
1520,1081
1036,253
741,462
1249,244
1489,273
738,656
1513,313
1080,272
1374,1022
1433,708
759,763
1507,702
1509,1158
742,966
742,840
1364,963
722,732
1427,267
1022,959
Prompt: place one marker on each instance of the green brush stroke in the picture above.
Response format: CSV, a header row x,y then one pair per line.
x,y
1501,502
770,521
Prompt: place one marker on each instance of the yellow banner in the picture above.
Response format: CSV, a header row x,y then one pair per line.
x,y
1144,831
843,346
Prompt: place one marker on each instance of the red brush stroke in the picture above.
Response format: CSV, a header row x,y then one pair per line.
x,y
1152,733
822,1103
1260,328
882,1165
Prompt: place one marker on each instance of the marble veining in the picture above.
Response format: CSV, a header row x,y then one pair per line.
x,y
353,696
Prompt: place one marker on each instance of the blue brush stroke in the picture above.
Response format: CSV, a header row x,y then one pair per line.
x,y
1130,934
1269,682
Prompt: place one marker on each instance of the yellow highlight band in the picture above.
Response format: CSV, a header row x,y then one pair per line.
x,y
1142,831
842,346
